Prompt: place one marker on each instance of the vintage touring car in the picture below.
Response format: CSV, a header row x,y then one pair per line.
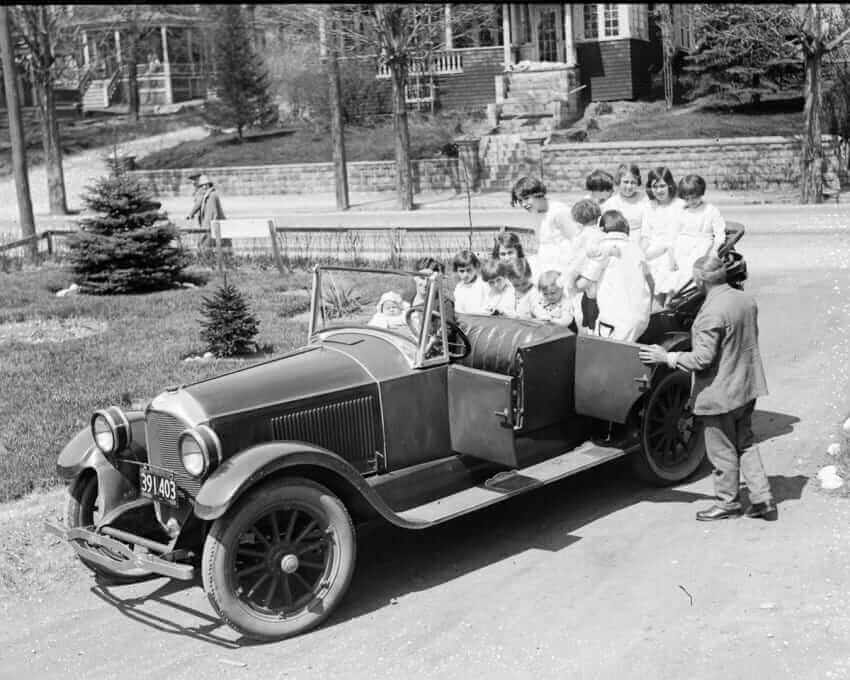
x,y
257,477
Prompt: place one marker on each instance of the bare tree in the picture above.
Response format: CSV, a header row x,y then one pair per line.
x,y
820,31
331,58
399,37
16,131
47,33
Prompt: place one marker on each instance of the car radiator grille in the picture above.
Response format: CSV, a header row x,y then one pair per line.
x,y
345,427
162,430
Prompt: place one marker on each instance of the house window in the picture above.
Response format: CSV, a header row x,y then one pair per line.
x,y
612,20
591,22
524,23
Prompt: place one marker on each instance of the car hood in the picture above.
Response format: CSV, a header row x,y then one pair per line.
x,y
311,371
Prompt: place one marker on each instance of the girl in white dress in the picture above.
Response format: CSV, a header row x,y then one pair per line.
x,y
659,231
700,229
556,230
629,200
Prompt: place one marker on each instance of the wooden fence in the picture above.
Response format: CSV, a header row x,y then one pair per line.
x,y
300,246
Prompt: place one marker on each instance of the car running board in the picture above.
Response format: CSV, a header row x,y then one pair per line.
x,y
510,483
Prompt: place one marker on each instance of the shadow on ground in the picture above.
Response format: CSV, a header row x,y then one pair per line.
x,y
394,562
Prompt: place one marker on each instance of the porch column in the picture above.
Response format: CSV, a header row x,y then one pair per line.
x,y
166,65
447,8
506,34
86,55
569,41
118,47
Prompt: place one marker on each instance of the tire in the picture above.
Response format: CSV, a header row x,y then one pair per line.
x,y
81,510
672,444
256,579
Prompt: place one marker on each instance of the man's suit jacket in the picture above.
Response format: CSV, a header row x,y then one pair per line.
x,y
725,357
210,209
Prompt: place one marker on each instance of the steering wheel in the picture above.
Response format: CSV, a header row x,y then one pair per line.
x,y
458,345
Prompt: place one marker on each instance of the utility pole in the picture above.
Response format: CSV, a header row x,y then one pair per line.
x,y
16,131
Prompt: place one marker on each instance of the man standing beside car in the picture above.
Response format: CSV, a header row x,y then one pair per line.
x,y
728,377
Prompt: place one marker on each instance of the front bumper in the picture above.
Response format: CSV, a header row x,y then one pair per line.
x,y
116,556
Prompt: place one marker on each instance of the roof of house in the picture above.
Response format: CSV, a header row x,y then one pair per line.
x,y
93,16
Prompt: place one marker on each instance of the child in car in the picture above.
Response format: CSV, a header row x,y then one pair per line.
x,y
501,296
390,313
470,290
526,292
552,304
624,292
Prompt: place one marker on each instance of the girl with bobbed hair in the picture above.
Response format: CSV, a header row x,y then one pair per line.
x,y
660,223
629,199
556,230
701,229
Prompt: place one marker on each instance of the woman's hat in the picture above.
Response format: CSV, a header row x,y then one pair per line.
x,y
203,179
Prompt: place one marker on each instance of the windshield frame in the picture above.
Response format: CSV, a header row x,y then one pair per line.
x,y
433,302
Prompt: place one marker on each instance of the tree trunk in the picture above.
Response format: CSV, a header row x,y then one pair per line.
x,y
49,123
131,63
404,179
337,133
16,132
811,151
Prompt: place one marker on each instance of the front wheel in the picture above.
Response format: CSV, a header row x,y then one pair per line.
x,y
280,561
672,442
83,510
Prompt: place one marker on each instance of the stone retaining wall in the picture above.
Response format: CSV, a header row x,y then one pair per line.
x,y
743,163
434,174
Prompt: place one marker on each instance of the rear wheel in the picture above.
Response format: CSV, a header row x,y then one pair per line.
x,y
280,561
672,443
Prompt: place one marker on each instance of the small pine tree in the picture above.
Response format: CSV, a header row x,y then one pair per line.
x,y
242,81
129,246
229,326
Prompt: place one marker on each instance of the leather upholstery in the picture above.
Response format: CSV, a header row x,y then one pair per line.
x,y
496,339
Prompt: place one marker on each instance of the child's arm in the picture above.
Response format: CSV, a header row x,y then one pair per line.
x,y
718,228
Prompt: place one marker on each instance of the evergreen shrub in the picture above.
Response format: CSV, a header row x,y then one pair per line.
x,y
129,246
228,328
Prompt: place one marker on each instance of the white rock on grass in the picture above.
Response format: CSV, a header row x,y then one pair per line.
x,y
70,290
829,478
834,449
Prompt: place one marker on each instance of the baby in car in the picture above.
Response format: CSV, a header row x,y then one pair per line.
x,y
390,313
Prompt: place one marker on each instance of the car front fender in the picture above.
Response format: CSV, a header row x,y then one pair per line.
x,y
80,453
244,470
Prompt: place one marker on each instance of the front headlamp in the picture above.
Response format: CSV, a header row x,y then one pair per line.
x,y
199,450
110,430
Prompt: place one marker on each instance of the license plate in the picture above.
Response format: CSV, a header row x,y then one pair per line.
x,y
160,486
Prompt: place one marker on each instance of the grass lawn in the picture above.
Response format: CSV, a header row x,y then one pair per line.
x,y
80,134
48,389
631,121
308,145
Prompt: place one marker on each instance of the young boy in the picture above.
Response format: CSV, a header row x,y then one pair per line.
x,y
552,304
501,296
624,294
470,290
600,184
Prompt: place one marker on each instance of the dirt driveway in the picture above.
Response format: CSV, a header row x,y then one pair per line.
x,y
595,577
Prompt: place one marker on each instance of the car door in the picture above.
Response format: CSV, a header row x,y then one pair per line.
x,y
609,377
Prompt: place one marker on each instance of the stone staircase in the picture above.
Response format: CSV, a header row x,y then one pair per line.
x,y
536,102
96,96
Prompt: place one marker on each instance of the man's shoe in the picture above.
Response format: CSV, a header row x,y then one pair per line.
x,y
765,510
717,512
